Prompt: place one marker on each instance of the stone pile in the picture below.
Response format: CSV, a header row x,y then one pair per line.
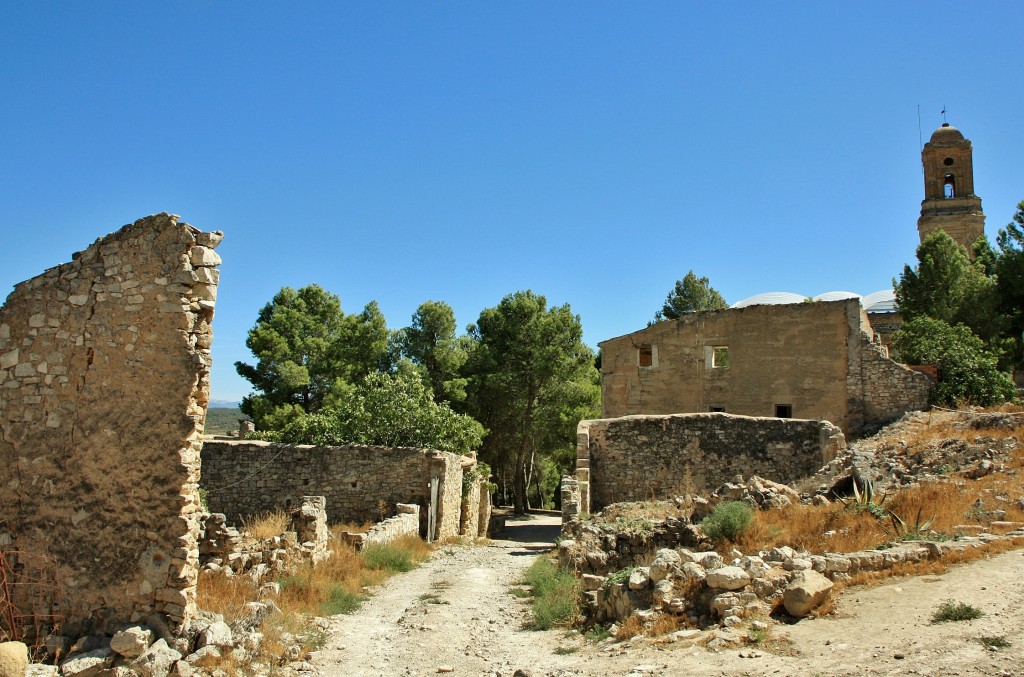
x,y
704,588
205,645
759,492
889,463
223,548
598,548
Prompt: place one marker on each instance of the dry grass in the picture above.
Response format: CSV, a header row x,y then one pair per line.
x,y
225,595
631,627
665,624
335,585
949,503
267,525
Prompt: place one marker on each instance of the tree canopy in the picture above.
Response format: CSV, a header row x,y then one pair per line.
x,y
531,379
968,374
690,294
392,410
430,343
304,346
947,285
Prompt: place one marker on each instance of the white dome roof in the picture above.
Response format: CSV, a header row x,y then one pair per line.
x,y
770,298
881,301
836,296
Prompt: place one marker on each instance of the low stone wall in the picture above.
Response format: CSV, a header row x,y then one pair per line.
x,y
360,483
405,523
640,458
104,382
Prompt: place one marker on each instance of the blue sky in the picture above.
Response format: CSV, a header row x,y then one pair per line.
x,y
591,151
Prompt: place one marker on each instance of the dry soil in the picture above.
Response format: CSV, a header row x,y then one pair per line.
x,y
455,615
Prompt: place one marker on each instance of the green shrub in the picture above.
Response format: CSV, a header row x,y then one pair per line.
x,y
388,557
950,611
554,594
727,521
340,601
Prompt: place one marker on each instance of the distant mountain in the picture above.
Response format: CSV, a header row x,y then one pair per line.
x,y
224,404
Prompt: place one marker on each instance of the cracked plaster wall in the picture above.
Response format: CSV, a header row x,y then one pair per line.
x,y
104,382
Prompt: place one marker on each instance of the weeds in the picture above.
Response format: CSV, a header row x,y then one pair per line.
x,y
950,611
554,594
266,525
619,577
566,650
995,642
727,521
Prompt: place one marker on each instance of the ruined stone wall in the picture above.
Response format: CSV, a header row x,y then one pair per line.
x,y
890,389
810,360
361,483
640,458
791,355
104,382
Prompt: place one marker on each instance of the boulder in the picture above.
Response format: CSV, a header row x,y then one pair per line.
x,y
215,634
157,660
132,642
806,592
666,561
639,579
13,659
727,578
87,664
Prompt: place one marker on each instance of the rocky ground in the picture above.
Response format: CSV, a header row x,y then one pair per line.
x,y
455,615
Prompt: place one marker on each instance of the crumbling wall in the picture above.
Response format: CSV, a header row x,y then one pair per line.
x,y
804,360
360,483
890,389
640,458
104,382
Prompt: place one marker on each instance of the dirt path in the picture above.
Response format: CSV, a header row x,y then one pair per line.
x,y
455,615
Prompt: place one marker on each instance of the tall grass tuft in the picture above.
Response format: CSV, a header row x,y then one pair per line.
x,y
554,594
266,525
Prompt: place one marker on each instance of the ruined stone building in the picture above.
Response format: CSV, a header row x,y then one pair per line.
x,y
808,360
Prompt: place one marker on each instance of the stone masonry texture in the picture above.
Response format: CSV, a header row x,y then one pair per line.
x,y
813,360
104,382
641,458
361,483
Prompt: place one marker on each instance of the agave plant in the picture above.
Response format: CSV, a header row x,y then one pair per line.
x,y
864,500
913,531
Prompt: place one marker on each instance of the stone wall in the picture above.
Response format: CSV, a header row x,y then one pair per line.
x,y
804,360
104,382
405,523
640,458
360,483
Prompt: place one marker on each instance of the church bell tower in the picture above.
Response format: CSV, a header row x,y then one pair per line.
x,y
949,201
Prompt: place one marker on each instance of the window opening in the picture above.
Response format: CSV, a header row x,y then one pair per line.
x,y
783,411
718,410
719,357
948,162
645,355
949,187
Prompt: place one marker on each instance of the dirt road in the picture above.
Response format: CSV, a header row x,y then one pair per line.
x,y
455,615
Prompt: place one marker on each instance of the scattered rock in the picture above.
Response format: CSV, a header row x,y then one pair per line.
x,y
131,642
806,592
13,659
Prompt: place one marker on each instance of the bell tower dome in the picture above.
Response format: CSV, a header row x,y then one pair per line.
x,y
949,201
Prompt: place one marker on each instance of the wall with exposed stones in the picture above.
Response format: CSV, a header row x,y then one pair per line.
x,y
104,382
640,458
360,483
806,360
405,523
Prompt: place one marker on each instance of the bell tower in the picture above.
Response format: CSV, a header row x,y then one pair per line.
x,y
949,201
